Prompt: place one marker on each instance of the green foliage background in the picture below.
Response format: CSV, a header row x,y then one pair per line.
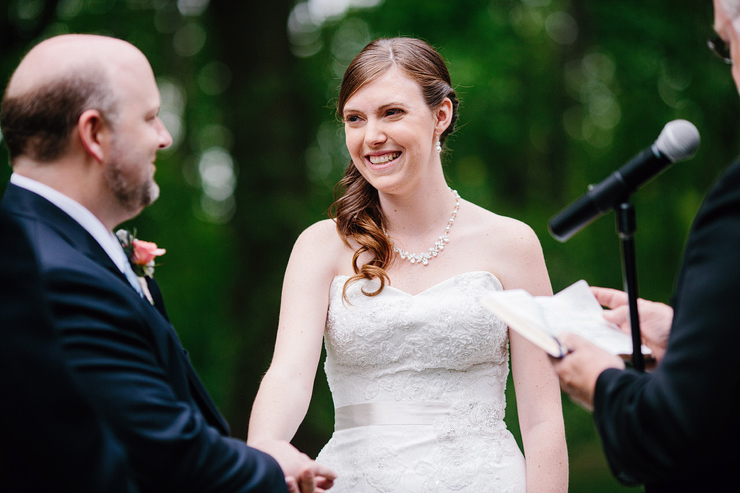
x,y
555,95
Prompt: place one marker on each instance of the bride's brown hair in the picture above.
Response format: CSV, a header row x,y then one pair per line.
x,y
357,210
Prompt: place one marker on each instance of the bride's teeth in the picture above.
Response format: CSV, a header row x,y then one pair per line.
x,y
384,158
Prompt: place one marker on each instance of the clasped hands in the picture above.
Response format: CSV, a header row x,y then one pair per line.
x,y
580,368
302,475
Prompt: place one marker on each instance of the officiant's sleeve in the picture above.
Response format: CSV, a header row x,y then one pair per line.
x,y
680,421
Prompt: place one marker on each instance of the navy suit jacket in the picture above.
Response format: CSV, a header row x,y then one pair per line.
x,y
676,428
52,437
132,364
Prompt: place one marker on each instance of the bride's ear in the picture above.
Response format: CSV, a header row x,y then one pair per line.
x,y
443,116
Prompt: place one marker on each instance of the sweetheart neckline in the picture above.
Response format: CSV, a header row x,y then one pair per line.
x,y
498,282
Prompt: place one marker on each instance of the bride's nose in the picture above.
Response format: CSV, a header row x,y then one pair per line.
x,y
375,134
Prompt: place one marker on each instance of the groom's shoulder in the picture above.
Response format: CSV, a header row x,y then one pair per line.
x,y
51,248
65,266
48,244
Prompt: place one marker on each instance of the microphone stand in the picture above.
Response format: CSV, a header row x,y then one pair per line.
x,y
626,224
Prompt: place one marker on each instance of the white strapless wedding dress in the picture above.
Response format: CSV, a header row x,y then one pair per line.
x,y
418,386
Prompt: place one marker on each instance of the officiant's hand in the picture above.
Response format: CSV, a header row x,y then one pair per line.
x,y
302,475
655,318
580,368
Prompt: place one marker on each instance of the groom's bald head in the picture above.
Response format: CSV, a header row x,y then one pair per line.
x,y
53,85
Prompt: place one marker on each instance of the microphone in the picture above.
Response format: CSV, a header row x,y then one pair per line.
x,y
678,141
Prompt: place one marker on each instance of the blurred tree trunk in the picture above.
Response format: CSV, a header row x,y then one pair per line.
x,y
16,34
16,37
272,125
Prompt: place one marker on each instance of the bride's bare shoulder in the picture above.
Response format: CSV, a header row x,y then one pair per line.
x,y
501,230
510,249
321,230
320,242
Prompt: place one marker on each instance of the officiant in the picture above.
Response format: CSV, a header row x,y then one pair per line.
x,y
673,428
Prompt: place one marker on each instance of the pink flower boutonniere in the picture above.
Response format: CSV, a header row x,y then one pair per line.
x,y
141,255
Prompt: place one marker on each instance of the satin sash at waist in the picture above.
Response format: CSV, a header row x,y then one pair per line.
x,y
389,413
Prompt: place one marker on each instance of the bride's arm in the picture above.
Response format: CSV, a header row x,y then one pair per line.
x,y
537,388
285,391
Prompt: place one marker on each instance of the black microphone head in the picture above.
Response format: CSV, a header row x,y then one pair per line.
x,y
679,140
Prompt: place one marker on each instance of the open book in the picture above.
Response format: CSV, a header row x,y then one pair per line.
x,y
541,318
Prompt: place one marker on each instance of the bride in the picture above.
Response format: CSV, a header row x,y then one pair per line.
x,y
416,367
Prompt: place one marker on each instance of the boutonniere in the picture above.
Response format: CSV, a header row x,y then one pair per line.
x,y
141,255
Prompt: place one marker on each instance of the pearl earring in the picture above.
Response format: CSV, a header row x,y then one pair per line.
x,y
438,146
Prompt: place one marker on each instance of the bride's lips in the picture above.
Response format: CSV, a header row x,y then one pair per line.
x,y
383,160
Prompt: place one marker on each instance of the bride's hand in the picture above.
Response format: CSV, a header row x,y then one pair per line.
x,y
655,318
303,484
309,481
302,475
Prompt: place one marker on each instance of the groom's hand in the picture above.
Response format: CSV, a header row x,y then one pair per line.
x,y
302,475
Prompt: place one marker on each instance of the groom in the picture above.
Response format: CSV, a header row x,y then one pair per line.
x,y
79,118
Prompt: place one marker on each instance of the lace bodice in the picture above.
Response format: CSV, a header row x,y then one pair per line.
x,y
396,351
397,346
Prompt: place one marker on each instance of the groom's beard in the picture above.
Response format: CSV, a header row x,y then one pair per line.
x,y
133,197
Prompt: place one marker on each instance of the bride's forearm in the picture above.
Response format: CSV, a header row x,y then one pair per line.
x,y
547,459
279,408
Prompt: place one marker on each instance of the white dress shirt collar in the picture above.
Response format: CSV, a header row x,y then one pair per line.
x,y
79,213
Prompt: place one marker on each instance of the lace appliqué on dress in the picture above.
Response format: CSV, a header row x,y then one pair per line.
x,y
438,346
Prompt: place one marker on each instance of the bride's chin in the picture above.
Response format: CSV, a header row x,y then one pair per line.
x,y
387,185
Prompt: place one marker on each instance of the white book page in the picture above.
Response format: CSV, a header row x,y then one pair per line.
x,y
520,312
574,309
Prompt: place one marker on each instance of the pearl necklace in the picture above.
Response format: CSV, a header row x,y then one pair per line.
x,y
439,245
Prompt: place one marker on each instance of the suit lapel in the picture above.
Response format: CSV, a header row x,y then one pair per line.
x,y
30,205
26,204
157,297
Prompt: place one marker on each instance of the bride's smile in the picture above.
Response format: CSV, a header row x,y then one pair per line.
x,y
382,161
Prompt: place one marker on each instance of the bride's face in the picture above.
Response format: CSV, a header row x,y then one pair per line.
x,y
390,132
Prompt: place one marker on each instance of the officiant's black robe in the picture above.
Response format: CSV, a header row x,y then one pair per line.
x,y
676,428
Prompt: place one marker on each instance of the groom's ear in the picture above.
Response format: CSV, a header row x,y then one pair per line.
x,y
93,134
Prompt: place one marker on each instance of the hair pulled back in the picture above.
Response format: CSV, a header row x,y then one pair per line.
x,y
357,210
